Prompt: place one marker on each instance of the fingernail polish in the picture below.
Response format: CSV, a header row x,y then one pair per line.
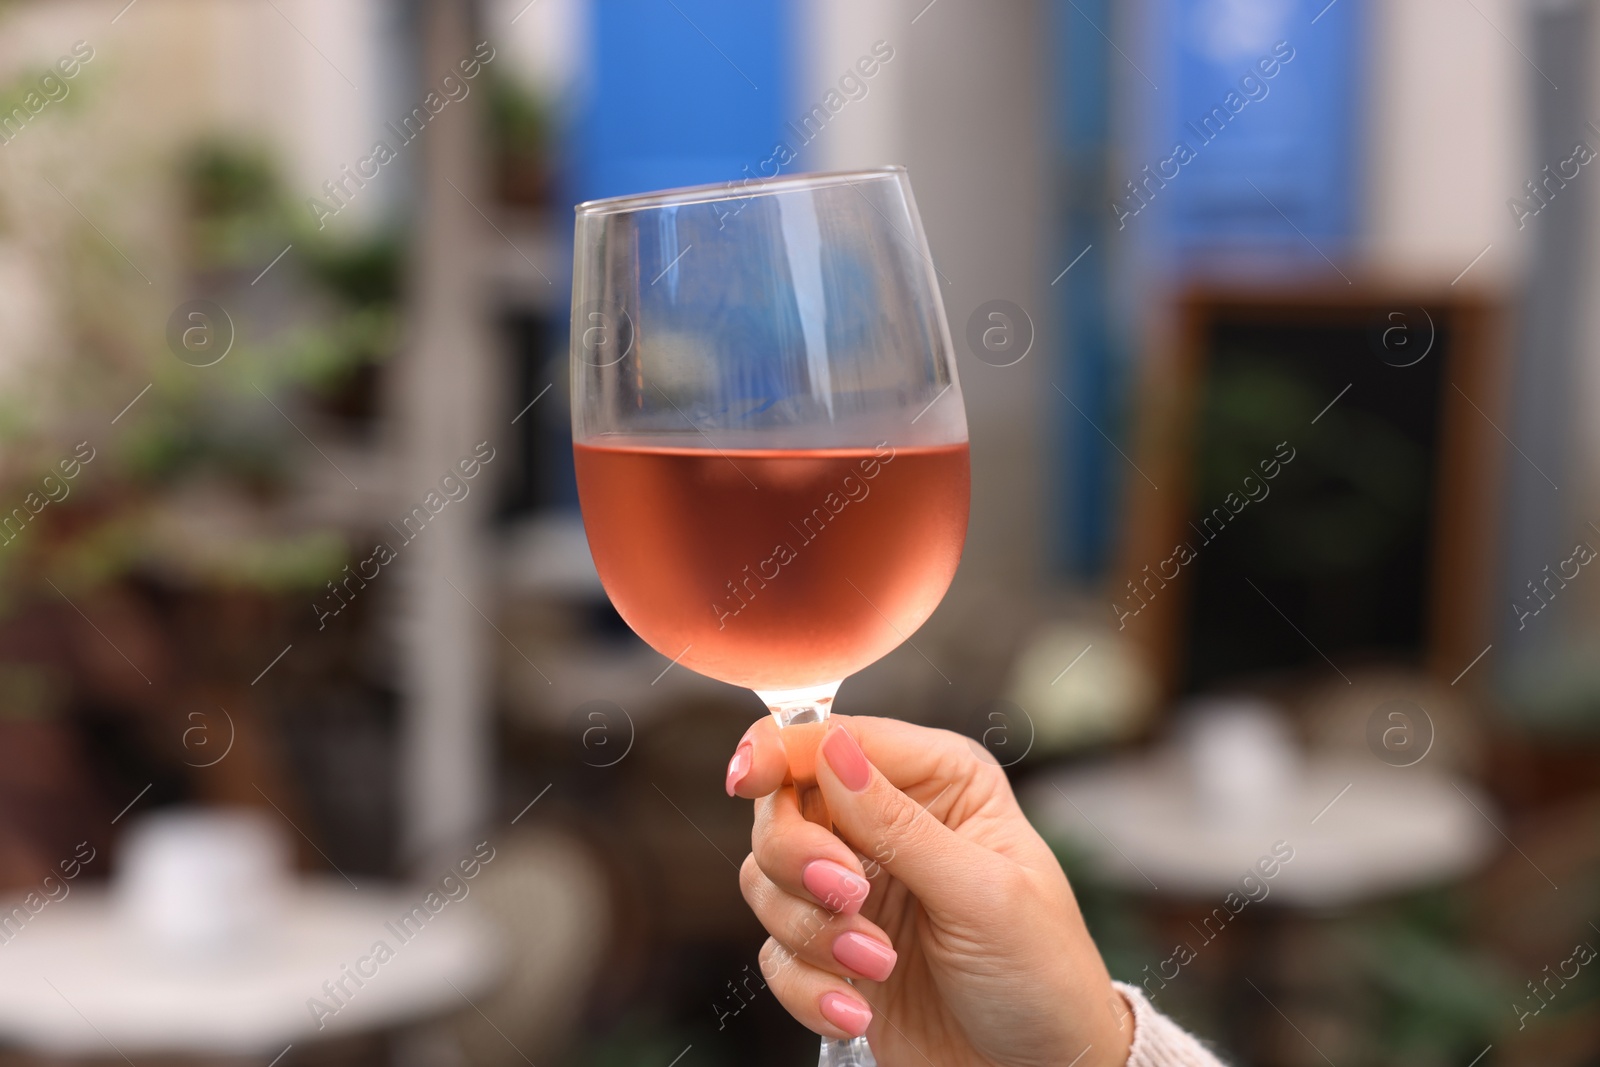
x,y
836,886
847,759
847,1013
867,956
738,766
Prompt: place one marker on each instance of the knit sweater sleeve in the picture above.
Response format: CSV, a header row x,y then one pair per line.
x,y
1157,1040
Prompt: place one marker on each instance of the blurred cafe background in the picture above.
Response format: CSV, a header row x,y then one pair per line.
x,y
320,744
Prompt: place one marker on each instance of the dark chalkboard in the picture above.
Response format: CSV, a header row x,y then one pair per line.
x,y
1325,476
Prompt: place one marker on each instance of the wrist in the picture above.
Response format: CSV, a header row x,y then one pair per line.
x,y
1095,1025
1115,1036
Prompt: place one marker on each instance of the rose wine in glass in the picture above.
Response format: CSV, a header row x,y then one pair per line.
x,y
769,437
782,591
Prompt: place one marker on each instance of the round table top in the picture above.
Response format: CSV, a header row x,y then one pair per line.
x,y
1358,829
77,981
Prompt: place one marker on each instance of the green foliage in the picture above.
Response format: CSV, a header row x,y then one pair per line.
x,y
519,122
362,274
1402,976
635,1041
1434,1000
350,287
328,309
1356,482
27,691
227,179
1554,688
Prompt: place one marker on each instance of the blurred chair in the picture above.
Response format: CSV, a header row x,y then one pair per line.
x,y
1535,905
550,897
1337,717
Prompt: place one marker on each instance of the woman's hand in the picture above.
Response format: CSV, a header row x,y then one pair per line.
x,y
947,910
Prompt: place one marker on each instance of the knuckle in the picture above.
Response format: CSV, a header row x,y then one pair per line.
x,y
901,820
774,959
751,878
955,750
959,763
774,841
761,825
1006,886
781,845
806,926
990,779
772,834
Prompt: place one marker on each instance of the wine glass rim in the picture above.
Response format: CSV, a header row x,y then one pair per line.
x,y
736,189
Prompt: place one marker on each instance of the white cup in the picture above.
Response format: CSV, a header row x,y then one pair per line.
x,y
1242,759
202,882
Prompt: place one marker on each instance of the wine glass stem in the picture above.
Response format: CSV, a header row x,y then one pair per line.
x,y
802,715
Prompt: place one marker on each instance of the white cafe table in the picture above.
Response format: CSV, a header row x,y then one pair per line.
x,y
76,981
1359,829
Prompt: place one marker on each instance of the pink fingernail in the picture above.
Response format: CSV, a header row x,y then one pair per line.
x,y
867,956
847,759
738,766
838,888
847,1013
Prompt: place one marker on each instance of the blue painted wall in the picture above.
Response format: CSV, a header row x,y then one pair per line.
x,y
1274,176
1266,95
1087,497
680,92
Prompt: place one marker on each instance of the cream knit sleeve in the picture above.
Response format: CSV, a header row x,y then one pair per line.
x,y
1157,1040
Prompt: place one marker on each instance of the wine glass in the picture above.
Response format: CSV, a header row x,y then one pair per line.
x,y
770,442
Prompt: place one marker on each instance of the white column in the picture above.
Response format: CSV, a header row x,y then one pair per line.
x,y
977,124
836,34
962,104
1447,109
442,396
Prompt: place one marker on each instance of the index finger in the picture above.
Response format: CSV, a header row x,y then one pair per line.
x,y
760,764
907,754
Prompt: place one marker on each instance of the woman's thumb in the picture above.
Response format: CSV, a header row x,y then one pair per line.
x,y
890,829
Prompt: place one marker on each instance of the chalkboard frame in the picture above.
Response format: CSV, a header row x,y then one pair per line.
x,y
1470,452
